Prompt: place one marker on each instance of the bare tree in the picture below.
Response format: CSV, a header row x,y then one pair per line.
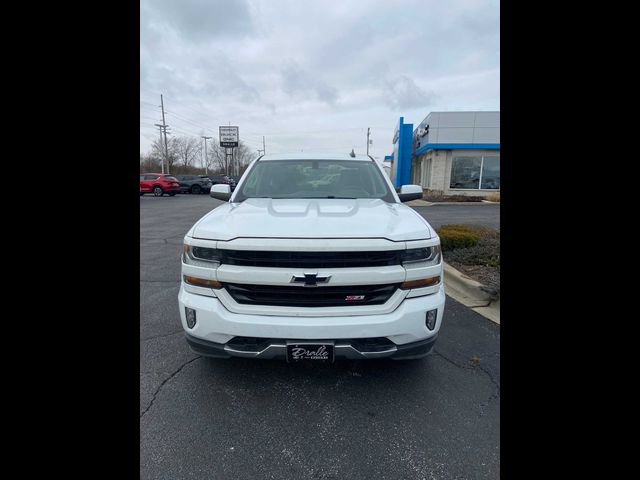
x,y
158,151
185,154
188,150
150,163
218,161
243,155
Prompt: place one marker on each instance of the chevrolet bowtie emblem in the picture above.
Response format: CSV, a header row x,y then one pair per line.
x,y
310,279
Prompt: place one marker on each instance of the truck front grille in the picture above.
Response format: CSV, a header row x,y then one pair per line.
x,y
310,259
321,296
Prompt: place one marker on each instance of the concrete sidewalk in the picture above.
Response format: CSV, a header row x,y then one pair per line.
x,y
471,293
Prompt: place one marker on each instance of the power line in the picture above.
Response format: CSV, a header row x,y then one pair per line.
x,y
185,132
217,119
251,143
221,122
187,120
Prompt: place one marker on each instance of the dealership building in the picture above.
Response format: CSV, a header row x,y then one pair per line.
x,y
455,153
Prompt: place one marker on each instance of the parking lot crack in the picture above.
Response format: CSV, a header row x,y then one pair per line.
x,y
496,385
464,367
164,382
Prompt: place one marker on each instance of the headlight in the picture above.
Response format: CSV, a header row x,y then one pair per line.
x,y
430,255
201,256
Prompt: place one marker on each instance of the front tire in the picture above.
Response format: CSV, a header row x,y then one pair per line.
x,y
157,191
196,189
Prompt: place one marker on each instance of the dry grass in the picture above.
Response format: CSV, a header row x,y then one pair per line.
x,y
475,251
439,196
493,197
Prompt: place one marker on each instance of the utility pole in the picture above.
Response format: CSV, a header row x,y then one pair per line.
x,y
264,149
368,129
206,159
166,150
160,127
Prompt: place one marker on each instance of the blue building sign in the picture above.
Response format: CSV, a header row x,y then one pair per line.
x,y
402,150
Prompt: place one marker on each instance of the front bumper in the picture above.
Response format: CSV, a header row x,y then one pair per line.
x,y
216,326
344,349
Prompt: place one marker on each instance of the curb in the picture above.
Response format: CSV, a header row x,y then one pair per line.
x,y
491,311
482,202
470,293
419,203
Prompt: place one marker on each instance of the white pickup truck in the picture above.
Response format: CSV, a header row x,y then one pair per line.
x,y
313,258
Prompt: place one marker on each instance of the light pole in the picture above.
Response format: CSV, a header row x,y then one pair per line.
x,y
206,159
368,130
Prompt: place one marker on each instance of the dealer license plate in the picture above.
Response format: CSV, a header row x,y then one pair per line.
x,y
316,352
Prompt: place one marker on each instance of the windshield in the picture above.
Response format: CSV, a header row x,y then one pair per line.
x,y
314,179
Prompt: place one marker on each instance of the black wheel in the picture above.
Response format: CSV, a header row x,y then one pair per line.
x,y
141,193
196,189
157,191
172,194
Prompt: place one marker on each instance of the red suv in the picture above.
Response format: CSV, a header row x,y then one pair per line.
x,y
158,184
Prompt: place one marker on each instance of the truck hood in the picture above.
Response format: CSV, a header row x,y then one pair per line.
x,y
312,218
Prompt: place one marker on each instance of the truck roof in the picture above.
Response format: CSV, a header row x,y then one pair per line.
x,y
314,156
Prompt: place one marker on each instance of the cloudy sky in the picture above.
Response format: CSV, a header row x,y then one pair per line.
x,y
313,75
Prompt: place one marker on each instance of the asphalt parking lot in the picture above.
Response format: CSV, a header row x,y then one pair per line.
x,y
486,214
201,418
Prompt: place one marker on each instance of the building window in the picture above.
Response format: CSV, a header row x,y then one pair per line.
x,y
465,172
491,173
475,173
427,180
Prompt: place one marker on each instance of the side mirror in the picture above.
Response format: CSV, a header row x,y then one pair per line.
x,y
410,192
221,191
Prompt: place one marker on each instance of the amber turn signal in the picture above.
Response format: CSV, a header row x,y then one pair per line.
x,y
201,282
423,282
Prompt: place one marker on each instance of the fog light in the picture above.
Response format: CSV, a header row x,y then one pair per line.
x,y
191,317
432,316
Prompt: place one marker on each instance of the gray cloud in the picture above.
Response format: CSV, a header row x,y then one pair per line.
x,y
314,75
298,83
402,93
198,20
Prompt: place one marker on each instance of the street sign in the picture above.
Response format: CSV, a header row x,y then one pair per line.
x,y
229,137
